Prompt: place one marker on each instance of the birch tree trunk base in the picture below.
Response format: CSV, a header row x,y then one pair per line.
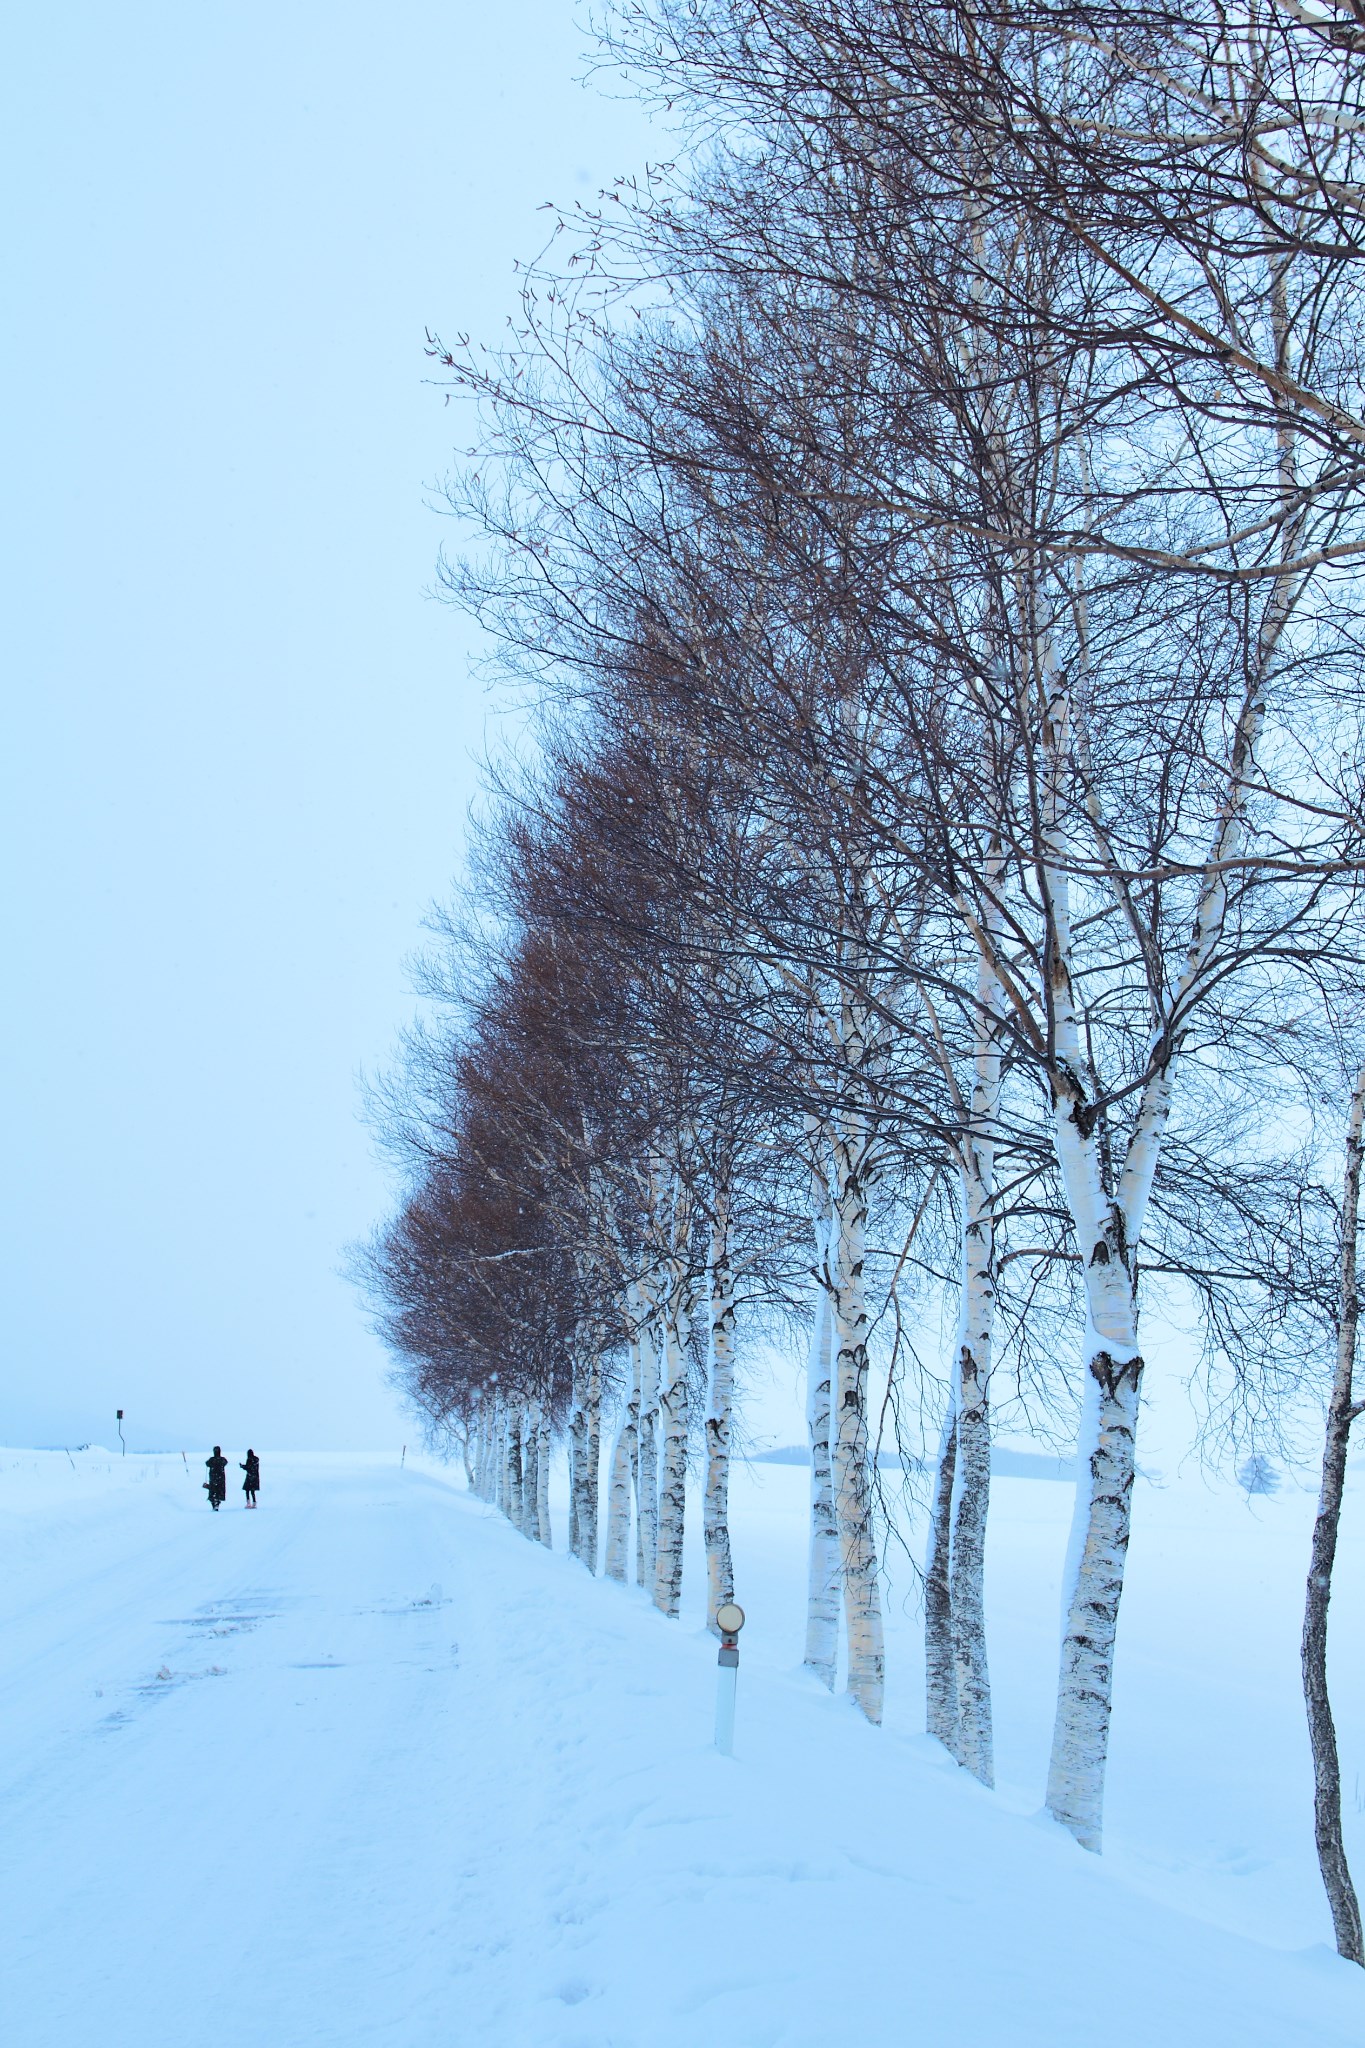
x,y
975,1749
1322,1734
940,1674
853,1490
618,1501
577,1447
592,1463
543,1533
1080,1739
526,1490
647,1464
822,1582
720,1566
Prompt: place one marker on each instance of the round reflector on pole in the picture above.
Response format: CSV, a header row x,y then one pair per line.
x,y
729,1620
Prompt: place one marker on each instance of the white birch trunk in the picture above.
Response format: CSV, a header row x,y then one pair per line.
x,y
971,1500
1107,1449
504,1461
975,1748
592,1462
940,1673
647,1449
720,1571
529,1448
822,1577
530,1454
516,1506
577,1447
1095,1567
852,1478
624,1468
1113,1373
544,1451
677,1329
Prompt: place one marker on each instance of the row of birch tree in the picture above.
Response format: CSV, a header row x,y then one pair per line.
x,y
923,522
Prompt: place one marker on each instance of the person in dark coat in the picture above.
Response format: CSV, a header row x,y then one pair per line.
x,y
216,1482
252,1469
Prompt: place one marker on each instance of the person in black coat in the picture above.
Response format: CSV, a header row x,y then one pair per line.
x,y
252,1469
216,1482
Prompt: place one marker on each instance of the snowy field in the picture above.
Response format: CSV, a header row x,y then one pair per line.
x,y
367,1767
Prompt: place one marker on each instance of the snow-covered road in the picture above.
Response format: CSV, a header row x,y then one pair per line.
x,y
367,1767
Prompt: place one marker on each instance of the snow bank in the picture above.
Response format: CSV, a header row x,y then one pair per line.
x,y
366,1767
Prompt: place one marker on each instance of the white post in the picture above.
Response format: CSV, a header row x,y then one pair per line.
x,y
729,1620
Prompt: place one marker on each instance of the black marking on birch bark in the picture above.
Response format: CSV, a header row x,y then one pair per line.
x,y
1084,1114
1112,1376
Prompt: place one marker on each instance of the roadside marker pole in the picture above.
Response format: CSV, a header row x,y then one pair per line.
x,y
119,1413
729,1620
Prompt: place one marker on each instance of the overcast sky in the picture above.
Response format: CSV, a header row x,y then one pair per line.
x,y
241,734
